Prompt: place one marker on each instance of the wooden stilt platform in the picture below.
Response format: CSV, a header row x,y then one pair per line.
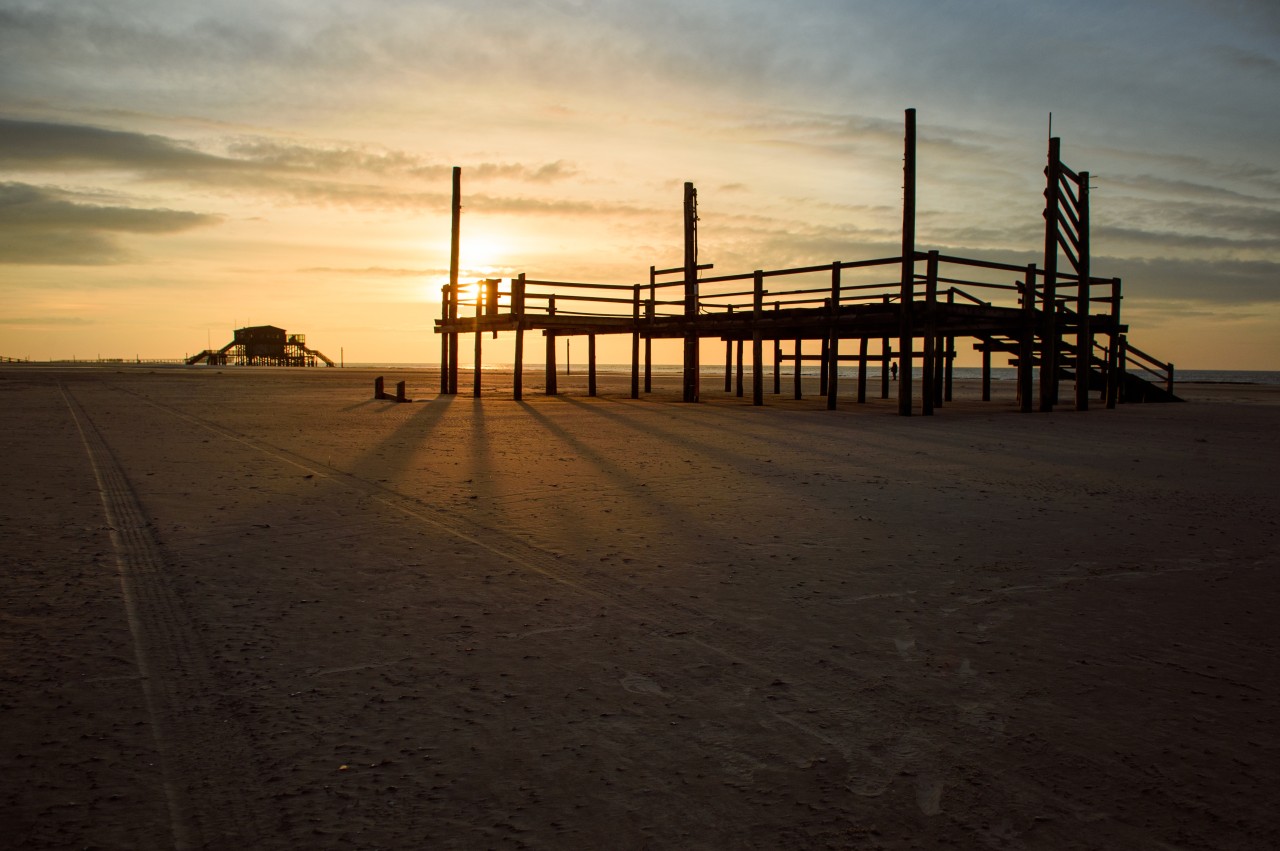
x,y
1057,323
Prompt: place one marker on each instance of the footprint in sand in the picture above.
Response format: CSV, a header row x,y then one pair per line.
x,y
929,794
640,684
905,646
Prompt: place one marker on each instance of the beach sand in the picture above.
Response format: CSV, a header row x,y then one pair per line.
x,y
254,608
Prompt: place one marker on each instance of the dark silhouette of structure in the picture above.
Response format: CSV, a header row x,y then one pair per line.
x,y
262,345
1042,317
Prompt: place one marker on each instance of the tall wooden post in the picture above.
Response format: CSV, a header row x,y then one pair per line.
x,y
692,377
1049,296
453,276
1084,333
551,350
930,336
906,328
517,307
1027,342
757,343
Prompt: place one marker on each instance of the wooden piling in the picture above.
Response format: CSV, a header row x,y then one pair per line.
x,y
757,342
692,378
797,376
1115,364
930,336
400,392
444,340
863,344
517,307
551,350
1027,342
635,343
1049,295
475,392
591,364
907,293
453,278
378,385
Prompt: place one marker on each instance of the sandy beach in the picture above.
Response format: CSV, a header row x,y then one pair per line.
x,y
256,608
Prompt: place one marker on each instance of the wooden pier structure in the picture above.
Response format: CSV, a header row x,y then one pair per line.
x,y
1058,324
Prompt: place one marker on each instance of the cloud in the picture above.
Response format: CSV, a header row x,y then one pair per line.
x,y
46,145
45,226
374,271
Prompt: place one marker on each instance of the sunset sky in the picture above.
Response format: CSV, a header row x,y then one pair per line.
x,y
170,170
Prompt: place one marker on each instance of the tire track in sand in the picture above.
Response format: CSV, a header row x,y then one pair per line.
x,y
209,783
850,729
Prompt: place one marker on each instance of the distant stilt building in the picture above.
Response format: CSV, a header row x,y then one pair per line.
x,y
262,345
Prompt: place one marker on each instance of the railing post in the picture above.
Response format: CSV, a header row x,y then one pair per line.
x,y
777,357
833,336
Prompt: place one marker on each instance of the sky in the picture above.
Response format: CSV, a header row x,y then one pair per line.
x,y
172,170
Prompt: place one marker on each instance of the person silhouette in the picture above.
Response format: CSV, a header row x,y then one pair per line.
x,y
893,371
